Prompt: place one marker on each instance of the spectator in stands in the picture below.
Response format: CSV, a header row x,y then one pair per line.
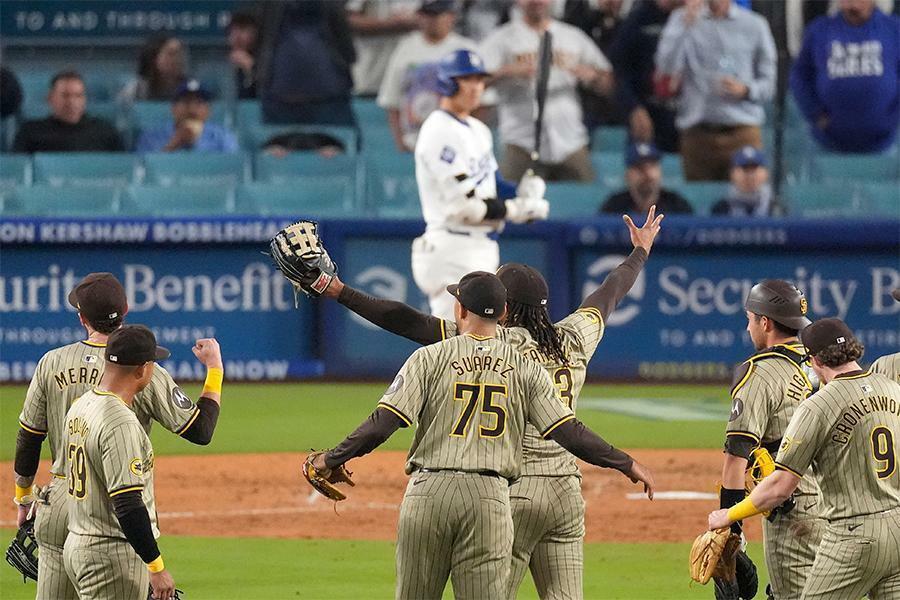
x,y
189,129
162,68
750,194
721,60
377,26
303,64
408,92
510,53
68,128
650,107
846,78
243,36
10,93
479,18
643,176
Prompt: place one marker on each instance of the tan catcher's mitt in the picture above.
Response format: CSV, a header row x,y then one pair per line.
x,y
324,481
713,555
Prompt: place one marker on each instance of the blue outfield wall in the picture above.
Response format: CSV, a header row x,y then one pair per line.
x,y
683,319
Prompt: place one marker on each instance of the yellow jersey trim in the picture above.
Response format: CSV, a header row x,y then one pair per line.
x,y
743,380
190,421
550,429
744,434
443,330
778,465
93,344
31,429
131,488
106,393
753,359
480,338
396,411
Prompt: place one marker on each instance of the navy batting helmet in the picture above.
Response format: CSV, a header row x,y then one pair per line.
x,y
457,64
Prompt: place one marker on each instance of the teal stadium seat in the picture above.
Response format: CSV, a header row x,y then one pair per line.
x,y
391,189
378,139
701,194
50,201
189,201
610,168
15,170
248,112
368,113
609,139
253,136
575,200
300,165
84,169
826,200
314,196
827,166
884,198
196,168
671,168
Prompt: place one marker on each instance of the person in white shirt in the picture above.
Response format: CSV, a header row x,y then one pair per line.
x,y
407,91
464,200
377,27
511,55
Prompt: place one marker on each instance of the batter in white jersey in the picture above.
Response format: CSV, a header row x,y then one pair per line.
x,y
464,200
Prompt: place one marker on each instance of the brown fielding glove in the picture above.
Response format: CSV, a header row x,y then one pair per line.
x,y
706,552
323,481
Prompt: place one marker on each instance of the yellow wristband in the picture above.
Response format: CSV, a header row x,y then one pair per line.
x,y
213,383
157,565
23,492
743,510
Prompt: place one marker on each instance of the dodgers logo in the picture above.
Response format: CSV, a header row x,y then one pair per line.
x,y
597,270
448,154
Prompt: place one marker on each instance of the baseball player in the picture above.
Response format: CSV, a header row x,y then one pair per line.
x,y
547,506
889,365
470,397
111,551
464,199
64,374
847,432
767,389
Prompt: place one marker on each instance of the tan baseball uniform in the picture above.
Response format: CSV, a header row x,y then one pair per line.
x,y
769,387
470,398
61,377
848,433
889,366
108,453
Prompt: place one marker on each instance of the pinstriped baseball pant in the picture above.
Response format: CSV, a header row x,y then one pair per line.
x,y
790,544
455,525
105,568
548,522
50,531
858,556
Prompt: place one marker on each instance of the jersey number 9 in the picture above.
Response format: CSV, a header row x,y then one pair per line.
x,y
883,451
470,393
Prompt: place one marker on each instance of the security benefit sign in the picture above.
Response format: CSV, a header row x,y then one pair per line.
x,y
231,293
684,317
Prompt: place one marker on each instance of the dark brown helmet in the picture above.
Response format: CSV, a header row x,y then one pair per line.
x,y
779,300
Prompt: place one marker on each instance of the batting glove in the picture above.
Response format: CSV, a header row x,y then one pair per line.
x,y
531,186
525,210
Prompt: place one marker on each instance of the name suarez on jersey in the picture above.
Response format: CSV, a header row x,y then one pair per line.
x,y
482,363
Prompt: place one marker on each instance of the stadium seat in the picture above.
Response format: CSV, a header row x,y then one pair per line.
x,y
610,168
84,169
609,139
884,198
827,166
248,112
297,167
574,200
820,200
378,140
50,201
253,136
15,170
368,113
391,188
316,196
164,201
196,168
701,194
671,168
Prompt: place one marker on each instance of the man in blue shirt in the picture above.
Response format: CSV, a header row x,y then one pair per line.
x,y
846,78
189,129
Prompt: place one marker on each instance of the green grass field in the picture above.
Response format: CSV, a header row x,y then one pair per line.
x,y
296,417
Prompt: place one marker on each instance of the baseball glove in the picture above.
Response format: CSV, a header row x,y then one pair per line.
x,y
324,481
300,256
23,551
707,552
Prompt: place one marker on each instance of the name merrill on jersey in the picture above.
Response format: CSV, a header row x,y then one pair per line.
x,y
854,413
73,376
482,363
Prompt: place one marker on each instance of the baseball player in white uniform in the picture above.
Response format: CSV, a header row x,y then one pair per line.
x,y
464,200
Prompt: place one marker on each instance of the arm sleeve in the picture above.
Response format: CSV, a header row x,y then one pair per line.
x,y
28,452
373,432
135,522
606,297
590,447
750,401
393,316
762,88
670,53
802,439
166,403
201,431
803,78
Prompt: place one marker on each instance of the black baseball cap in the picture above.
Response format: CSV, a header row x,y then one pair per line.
x,y
524,284
437,7
824,333
779,300
133,345
481,293
99,297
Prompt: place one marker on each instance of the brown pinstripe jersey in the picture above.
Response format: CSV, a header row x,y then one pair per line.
x,y
64,374
580,333
108,453
889,366
849,432
470,398
769,387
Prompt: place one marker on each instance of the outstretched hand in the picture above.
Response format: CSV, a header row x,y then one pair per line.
x,y
640,473
643,237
